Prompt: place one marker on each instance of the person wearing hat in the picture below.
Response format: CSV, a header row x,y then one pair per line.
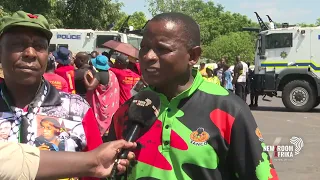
x,y
57,81
64,68
25,94
103,84
126,77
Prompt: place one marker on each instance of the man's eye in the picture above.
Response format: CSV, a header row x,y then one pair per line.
x,y
17,44
39,46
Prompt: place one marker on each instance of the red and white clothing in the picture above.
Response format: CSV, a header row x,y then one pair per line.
x,y
104,101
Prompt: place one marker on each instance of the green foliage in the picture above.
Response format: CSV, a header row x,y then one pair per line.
x,y
231,45
212,19
318,22
2,12
87,14
84,14
137,20
31,6
306,25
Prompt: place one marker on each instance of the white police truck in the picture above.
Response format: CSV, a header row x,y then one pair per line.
x,y
89,40
287,59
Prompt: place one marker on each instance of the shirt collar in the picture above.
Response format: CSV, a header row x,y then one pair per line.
x,y
53,97
198,80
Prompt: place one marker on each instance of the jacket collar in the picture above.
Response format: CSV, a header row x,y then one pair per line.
x,y
53,97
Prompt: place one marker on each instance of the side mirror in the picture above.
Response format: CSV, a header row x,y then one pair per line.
x,y
259,51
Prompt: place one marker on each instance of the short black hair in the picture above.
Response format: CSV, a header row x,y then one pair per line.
x,y
122,59
190,29
94,53
83,56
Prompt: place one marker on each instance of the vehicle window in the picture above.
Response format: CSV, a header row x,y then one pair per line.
x,y
101,39
52,47
63,45
134,41
279,40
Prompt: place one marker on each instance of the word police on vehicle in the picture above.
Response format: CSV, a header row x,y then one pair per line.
x,y
68,36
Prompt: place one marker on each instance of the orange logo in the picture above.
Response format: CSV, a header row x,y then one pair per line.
x,y
258,133
199,137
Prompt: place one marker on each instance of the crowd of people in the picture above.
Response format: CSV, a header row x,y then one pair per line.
x,y
239,78
62,101
104,83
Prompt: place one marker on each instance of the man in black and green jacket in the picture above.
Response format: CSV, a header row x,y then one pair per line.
x,y
203,132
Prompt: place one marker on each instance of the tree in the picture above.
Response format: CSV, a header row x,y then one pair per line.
x,y
306,25
161,6
212,19
48,8
122,17
82,14
42,6
86,14
2,12
137,20
231,45
318,22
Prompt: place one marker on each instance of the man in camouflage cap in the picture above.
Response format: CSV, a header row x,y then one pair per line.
x,y
19,32
24,42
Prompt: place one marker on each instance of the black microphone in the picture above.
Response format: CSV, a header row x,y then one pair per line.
x,y
143,112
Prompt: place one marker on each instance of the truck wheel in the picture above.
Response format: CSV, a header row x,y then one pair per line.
x,y
299,95
317,103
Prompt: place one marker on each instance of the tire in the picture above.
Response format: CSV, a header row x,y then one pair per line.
x,y
317,103
299,95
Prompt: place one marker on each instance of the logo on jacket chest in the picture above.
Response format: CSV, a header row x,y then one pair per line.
x,y
199,137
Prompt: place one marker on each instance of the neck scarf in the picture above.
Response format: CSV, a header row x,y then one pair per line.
x,y
22,128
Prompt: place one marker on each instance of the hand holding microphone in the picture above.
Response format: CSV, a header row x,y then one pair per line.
x,y
143,112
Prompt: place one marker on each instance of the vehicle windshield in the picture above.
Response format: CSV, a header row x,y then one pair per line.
x,y
135,41
101,39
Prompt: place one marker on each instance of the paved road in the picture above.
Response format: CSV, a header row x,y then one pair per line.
x,y
277,124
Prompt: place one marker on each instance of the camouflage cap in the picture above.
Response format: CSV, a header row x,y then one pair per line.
x,y
21,18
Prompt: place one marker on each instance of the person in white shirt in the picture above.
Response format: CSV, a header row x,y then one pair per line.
x,y
241,71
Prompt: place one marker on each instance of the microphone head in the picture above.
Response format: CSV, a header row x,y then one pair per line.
x,y
144,109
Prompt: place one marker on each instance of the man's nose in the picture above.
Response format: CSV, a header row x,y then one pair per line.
x,y
29,53
151,55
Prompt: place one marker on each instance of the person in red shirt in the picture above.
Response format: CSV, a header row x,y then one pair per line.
x,y
65,69
126,78
57,81
134,65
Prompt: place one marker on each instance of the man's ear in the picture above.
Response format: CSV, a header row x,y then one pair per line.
x,y
195,54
